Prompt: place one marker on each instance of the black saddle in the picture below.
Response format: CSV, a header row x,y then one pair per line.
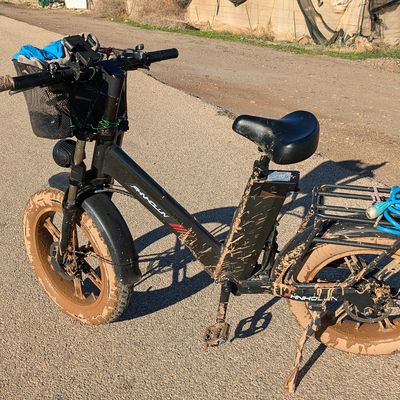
x,y
288,140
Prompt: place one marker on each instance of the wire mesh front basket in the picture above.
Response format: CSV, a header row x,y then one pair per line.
x,y
64,110
48,107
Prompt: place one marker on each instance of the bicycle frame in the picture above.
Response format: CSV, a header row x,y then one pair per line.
x,y
236,260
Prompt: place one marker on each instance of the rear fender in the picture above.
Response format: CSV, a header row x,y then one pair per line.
x,y
340,231
343,230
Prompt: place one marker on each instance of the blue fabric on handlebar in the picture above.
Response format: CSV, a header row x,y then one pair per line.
x,y
52,51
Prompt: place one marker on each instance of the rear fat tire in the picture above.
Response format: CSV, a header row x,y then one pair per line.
x,y
369,339
114,293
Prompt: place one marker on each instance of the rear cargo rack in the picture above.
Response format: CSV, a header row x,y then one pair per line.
x,y
348,203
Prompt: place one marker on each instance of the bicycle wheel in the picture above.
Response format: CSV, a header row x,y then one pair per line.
x,y
344,326
95,293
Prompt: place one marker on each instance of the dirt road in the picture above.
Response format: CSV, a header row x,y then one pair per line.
x,y
156,350
357,105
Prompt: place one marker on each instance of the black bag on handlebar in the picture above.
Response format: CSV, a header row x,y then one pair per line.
x,y
64,110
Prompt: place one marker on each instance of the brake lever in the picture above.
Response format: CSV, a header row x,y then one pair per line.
x,y
137,55
53,68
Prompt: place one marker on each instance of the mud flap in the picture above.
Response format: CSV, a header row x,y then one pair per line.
x,y
113,228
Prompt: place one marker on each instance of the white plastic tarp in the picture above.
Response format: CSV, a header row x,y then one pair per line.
x,y
287,19
80,4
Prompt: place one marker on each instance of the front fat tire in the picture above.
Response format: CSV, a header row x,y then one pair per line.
x,y
113,293
369,339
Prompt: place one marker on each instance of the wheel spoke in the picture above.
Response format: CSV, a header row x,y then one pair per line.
x,y
53,230
92,297
386,324
78,289
389,270
94,278
340,314
354,264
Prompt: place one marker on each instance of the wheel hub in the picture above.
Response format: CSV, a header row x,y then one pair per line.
x,y
371,302
68,270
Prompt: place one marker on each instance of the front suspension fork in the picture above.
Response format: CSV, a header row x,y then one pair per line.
x,y
70,209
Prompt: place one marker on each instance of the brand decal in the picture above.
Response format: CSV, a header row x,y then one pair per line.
x,y
309,298
179,228
151,202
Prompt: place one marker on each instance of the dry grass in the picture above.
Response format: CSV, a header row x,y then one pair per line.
x,y
149,11
266,34
160,8
110,8
164,13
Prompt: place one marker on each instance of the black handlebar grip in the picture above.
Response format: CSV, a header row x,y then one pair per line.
x,y
24,82
6,83
44,78
161,55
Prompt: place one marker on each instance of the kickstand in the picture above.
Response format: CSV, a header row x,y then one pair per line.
x,y
218,333
313,327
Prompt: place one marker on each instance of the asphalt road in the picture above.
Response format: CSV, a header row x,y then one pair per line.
x,y
156,350
355,102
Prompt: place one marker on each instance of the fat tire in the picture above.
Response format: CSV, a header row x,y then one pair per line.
x,y
116,290
370,340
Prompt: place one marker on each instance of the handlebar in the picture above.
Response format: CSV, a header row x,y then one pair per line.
x,y
161,55
25,82
132,59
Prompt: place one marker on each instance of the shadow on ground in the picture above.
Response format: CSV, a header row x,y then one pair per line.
x,y
256,323
175,261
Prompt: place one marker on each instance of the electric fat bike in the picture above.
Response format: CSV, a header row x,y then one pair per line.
x,y
339,273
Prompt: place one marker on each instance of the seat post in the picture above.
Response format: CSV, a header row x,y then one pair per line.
x,y
261,166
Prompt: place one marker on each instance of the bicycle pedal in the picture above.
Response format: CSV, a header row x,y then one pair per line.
x,y
216,334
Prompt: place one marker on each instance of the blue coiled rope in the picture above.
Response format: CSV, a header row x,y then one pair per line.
x,y
388,209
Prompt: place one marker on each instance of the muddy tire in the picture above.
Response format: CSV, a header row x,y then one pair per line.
x,y
100,295
344,333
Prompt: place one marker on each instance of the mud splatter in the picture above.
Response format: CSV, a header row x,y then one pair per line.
x,y
6,83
